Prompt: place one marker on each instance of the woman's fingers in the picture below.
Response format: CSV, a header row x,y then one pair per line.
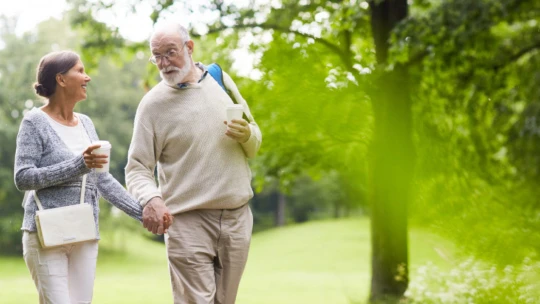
x,y
94,160
91,148
167,222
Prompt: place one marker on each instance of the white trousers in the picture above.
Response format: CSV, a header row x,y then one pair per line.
x,y
63,275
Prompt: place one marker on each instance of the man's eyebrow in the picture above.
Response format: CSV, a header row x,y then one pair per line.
x,y
170,46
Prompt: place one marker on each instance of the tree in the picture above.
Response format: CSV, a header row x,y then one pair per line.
x,y
392,160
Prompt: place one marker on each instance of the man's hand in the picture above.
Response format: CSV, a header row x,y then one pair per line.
x,y
156,217
238,130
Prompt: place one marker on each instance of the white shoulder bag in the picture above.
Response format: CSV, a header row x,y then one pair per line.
x,y
65,225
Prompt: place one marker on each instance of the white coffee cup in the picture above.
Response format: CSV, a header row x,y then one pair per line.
x,y
105,149
234,111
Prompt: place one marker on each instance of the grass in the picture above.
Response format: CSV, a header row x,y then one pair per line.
x,y
316,262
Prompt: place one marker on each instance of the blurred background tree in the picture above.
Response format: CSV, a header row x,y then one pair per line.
x,y
421,110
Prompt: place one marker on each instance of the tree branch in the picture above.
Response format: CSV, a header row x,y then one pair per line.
x,y
518,55
276,27
466,78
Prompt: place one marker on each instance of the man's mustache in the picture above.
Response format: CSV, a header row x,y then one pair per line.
x,y
170,68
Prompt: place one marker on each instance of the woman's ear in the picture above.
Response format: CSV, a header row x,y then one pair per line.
x,y
60,80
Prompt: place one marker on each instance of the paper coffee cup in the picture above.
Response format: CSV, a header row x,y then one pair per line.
x,y
105,149
234,111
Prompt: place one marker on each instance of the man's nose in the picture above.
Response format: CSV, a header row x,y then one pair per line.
x,y
165,62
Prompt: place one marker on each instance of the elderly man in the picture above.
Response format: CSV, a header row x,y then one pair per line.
x,y
203,173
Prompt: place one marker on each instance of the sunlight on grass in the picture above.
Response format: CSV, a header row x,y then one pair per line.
x,y
317,262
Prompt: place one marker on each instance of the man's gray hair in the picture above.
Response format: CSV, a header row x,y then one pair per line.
x,y
172,27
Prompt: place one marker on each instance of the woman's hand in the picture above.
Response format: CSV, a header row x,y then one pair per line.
x,y
94,160
167,222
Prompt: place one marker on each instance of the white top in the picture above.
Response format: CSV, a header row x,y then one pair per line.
x,y
75,138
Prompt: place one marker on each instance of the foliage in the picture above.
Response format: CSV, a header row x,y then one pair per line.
x,y
474,102
475,282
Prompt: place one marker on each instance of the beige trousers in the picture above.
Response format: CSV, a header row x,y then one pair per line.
x,y
207,252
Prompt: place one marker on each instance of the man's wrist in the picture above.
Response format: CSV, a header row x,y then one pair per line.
x,y
151,200
248,137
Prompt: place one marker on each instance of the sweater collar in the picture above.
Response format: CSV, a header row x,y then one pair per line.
x,y
184,85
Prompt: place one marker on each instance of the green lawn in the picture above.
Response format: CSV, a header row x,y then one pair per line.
x,y
317,262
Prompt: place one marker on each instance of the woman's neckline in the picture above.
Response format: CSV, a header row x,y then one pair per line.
x,y
61,123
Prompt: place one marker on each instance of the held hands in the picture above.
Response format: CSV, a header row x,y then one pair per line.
x,y
156,217
238,130
94,160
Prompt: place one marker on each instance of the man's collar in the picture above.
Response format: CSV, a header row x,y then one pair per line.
x,y
199,65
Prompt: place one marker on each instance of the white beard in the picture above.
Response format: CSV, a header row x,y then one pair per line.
x,y
180,74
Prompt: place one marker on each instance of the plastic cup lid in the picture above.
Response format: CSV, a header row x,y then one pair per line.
x,y
104,144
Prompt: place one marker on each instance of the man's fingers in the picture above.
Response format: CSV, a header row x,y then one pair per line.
x,y
241,122
235,128
234,133
146,222
154,228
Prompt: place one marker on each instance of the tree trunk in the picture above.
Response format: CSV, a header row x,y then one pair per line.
x,y
336,209
391,162
280,210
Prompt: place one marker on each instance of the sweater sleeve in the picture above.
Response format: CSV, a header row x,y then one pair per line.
x,y
112,191
142,161
27,157
253,144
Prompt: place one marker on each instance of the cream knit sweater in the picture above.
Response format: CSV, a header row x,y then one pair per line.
x,y
182,132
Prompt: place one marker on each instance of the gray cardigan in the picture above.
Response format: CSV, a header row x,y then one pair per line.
x,y
44,163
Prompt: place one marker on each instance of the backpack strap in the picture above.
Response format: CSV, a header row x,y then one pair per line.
x,y
217,73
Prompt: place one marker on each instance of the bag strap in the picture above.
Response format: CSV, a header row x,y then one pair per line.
x,y
217,73
83,188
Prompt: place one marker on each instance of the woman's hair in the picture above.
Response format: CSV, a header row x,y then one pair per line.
x,y
51,65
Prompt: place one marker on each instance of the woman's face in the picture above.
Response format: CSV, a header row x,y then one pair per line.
x,y
75,81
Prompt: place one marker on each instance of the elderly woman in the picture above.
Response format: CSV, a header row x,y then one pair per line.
x,y
54,152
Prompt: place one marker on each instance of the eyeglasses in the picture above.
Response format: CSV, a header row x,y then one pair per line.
x,y
171,54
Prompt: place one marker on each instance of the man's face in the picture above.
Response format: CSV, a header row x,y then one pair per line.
x,y
172,57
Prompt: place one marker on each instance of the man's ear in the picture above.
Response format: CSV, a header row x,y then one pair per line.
x,y
60,80
190,46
